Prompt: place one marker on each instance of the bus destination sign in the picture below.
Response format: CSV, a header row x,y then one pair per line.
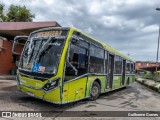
x,y
48,33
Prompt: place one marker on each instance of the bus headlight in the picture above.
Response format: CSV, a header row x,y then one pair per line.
x,y
51,85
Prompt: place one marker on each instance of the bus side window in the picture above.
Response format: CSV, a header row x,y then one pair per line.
x,y
118,65
128,70
132,68
106,61
96,60
78,62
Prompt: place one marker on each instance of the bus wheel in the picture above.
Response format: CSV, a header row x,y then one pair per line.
x,y
95,91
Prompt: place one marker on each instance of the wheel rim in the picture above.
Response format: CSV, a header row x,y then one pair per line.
x,y
94,91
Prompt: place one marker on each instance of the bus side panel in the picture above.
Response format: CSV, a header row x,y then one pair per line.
x,y
90,81
74,90
53,96
117,82
132,77
65,93
126,79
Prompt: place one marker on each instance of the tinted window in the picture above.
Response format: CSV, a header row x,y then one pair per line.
x,y
118,65
106,61
81,44
96,59
128,67
132,68
78,34
78,58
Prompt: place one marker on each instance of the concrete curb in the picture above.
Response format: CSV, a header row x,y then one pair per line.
x,y
7,77
149,83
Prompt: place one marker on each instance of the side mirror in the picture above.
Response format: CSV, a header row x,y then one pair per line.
x,y
16,40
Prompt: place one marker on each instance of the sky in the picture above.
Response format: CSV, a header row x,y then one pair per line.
x,y
130,26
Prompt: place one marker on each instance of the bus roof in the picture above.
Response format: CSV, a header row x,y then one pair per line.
x,y
51,28
107,47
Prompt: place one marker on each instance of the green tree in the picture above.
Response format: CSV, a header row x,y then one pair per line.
x,y
1,9
19,14
2,16
16,14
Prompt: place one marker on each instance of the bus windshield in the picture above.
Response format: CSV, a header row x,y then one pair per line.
x,y
42,54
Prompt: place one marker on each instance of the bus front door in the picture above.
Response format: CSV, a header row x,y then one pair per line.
x,y
110,71
123,72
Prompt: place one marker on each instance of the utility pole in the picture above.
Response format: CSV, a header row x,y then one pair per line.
x,y
158,9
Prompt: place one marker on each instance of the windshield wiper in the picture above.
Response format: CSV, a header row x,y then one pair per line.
x,y
30,49
44,47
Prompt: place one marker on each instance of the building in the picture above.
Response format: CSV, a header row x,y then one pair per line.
x,y
8,61
8,30
145,65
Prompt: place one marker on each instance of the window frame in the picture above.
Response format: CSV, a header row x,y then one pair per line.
x,y
68,55
106,62
103,72
119,57
128,61
78,46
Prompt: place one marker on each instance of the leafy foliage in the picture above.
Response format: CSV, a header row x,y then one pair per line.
x,y
1,8
2,16
16,14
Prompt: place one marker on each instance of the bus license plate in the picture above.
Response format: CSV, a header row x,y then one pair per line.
x,y
31,94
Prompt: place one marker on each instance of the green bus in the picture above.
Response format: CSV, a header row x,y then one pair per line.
x,y
63,65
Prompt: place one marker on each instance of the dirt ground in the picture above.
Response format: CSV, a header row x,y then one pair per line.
x,y
136,97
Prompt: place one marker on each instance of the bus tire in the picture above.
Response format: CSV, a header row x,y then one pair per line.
x,y
95,91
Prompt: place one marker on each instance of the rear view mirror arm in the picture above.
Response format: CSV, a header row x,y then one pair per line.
x,y
75,70
16,39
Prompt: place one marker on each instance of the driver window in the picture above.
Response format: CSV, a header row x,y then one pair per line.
x,y
77,64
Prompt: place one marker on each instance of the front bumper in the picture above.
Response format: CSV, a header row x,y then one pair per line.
x,y
52,96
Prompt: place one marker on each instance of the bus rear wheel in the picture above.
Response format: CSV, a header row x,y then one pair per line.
x,y
95,91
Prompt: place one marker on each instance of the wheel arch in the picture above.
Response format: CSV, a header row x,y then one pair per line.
x,y
98,81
